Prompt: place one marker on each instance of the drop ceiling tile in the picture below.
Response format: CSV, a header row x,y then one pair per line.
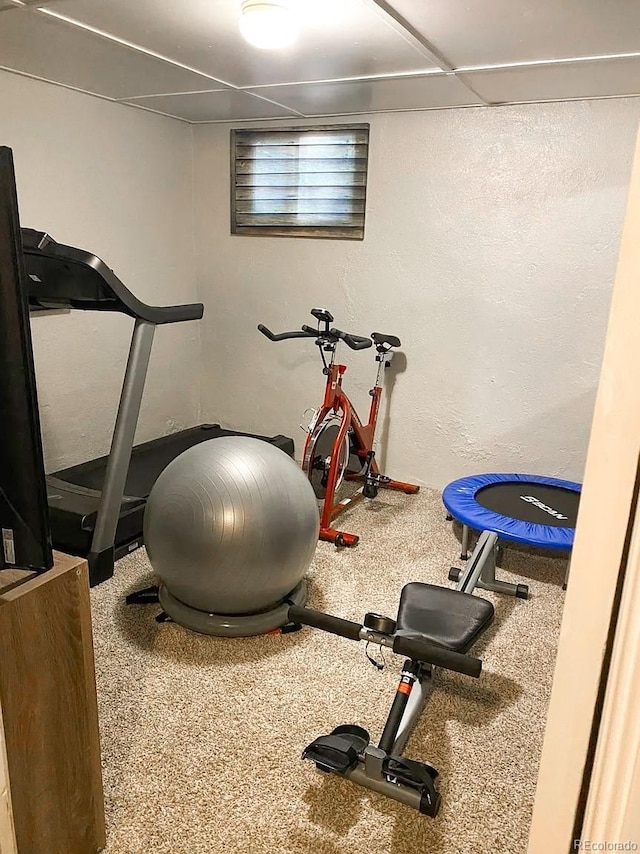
x,y
40,45
558,82
363,96
228,105
489,32
338,38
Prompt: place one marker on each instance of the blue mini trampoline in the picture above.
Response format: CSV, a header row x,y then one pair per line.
x,y
523,508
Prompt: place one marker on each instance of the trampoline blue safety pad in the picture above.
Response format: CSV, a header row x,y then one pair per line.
x,y
529,509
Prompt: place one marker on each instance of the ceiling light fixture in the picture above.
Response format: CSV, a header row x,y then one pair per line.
x,y
268,25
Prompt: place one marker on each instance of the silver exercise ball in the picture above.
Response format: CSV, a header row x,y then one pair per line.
x,y
231,526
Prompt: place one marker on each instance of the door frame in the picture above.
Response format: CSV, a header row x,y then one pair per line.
x,y
590,718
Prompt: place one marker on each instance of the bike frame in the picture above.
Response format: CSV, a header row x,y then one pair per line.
x,y
336,402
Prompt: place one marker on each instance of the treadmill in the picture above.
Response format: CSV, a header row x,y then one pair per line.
x,y
97,508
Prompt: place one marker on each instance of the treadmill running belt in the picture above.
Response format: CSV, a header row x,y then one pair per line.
x,y
147,461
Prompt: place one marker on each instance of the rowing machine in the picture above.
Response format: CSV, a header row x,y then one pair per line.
x,y
435,627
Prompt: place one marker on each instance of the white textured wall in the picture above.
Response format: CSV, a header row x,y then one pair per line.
x,y
490,249
118,182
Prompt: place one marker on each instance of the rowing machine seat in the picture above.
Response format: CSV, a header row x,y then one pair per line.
x,y
442,616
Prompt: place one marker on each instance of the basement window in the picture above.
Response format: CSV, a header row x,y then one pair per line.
x,y
296,182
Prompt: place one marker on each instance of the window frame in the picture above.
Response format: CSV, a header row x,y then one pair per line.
x,y
323,232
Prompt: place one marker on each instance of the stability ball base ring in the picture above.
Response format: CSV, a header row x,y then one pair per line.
x,y
231,625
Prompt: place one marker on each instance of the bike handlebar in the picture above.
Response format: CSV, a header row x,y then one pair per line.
x,y
412,647
356,342
282,336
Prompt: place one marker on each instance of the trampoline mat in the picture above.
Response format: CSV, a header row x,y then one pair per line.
x,y
537,503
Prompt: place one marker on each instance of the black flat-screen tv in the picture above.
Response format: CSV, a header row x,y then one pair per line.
x,y
24,519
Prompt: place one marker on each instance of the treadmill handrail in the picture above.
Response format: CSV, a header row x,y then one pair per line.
x,y
41,245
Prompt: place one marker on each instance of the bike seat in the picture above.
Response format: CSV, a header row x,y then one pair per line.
x,y
391,340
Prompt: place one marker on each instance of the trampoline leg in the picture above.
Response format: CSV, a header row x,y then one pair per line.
x,y
481,570
464,554
488,581
484,552
566,576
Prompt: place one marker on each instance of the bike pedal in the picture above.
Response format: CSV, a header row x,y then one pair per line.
x,y
370,490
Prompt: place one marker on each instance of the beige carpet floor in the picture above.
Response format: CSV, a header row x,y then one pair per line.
x,y
202,736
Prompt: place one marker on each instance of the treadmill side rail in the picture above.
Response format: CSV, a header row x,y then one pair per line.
x,y
121,448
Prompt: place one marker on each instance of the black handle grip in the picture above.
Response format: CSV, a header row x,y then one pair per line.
x,y
430,653
309,330
177,313
356,342
282,336
326,622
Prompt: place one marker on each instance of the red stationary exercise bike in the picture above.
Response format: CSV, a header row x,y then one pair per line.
x,y
339,447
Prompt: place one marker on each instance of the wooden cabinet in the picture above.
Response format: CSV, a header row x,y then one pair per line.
x,y
54,795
